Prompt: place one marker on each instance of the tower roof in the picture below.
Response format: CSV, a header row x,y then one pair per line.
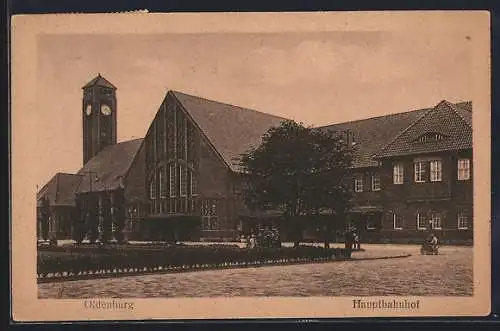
x,y
99,81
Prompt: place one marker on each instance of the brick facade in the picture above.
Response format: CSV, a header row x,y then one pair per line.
x,y
184,172
448,198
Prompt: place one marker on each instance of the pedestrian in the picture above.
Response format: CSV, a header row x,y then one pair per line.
x,y
252,241
356,241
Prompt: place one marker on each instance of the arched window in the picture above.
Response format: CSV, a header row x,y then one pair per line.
x,y
193,183
152,189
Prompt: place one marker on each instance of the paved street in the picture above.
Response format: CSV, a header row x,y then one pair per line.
x,y
447,274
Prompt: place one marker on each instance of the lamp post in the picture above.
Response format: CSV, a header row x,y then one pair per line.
x,y
101,207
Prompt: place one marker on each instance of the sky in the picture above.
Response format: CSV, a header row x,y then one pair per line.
x,y
317,78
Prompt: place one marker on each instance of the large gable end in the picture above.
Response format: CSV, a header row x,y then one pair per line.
x,y
441,128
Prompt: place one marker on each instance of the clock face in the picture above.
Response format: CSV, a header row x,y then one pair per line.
x,y
105,110
88,110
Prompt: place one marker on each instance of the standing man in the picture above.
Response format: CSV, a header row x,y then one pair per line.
x,y
357,240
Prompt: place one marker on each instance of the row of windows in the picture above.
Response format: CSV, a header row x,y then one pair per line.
x,y
435,169
172,206
420,168
359,182
432,222
177,175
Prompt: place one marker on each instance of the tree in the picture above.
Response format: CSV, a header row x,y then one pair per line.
x,y
299,171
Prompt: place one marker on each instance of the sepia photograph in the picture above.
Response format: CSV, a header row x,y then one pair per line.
x,y
219,163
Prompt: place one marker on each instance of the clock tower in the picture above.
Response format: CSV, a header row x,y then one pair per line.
x,y
99,116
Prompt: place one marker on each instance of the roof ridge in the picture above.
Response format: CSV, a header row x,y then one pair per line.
x,y
227,104
374,117
412,124
454,108
127,141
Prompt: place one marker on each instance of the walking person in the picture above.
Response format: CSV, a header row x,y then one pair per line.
x,y
356,239
252,241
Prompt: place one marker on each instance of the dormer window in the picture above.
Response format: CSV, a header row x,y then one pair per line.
x,y
430,137
346,137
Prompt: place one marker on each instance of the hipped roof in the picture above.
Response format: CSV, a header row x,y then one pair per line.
x,y
60,189
106,170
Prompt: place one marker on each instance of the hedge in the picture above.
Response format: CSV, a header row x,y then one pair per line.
x,y
173,258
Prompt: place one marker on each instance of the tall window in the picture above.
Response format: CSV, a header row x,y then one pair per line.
x,y
152,189
463,169
163,186
193,183
463,221
376,182
171,132
398,174
435,221
436,171
421,225
183,180
209,215
419,172
160,139
173,180
181,131
358,183
397,221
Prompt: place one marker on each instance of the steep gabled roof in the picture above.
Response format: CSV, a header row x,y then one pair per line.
x,y
99,81
110,165
60,189
372,133
451,124
232,130
464,109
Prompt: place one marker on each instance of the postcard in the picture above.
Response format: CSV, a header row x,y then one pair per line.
x,y
250,165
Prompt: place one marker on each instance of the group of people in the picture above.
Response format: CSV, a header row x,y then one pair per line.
x,y
266,238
